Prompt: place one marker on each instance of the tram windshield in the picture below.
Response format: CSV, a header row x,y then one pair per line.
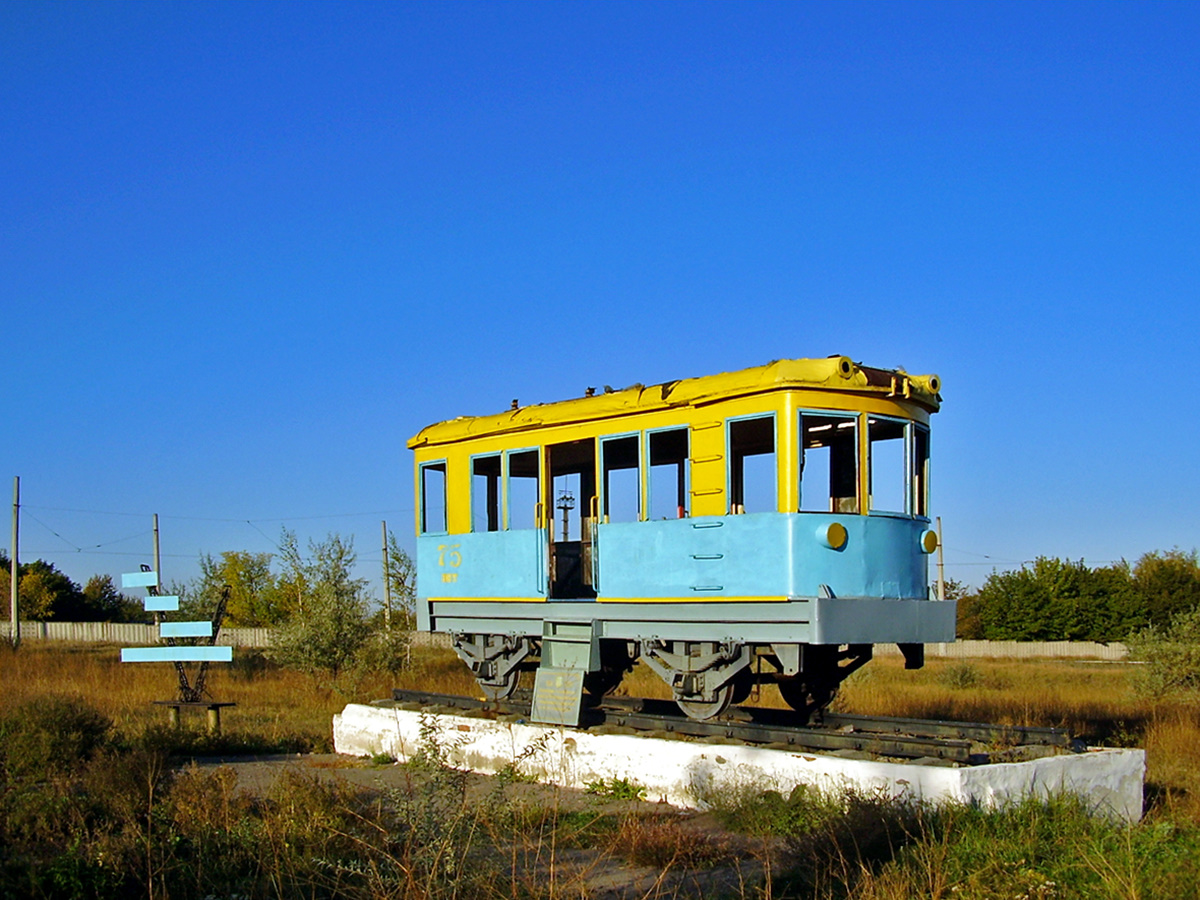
x,y
829,463
889,480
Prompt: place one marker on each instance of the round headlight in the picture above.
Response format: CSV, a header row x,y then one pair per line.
x,y
832,535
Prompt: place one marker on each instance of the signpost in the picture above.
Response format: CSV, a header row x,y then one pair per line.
x,y
191,693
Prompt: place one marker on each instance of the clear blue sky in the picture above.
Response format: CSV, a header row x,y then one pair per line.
x,y
247,250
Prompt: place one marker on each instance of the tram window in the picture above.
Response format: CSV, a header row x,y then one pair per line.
x,y
920,477
828,463
752,486
668,474
485,493
433,498
523,497
888,477
622,479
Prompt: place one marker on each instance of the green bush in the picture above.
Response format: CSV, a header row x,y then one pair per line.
x,y
1171,656
50,736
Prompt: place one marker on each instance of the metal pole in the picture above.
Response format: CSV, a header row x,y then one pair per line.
x,y
941,563
16,524
157,569
387,583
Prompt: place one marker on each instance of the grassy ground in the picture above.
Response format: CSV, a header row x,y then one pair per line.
x,y
305,839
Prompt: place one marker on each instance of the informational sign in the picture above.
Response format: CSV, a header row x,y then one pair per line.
x,y
171,630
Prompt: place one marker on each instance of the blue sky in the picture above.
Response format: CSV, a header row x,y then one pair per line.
x,y
247,250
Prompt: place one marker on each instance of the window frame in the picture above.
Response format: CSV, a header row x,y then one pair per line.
x,y
906,441
506,476
729,421
602,481
855,418
443,466
923,481
475,526
687,468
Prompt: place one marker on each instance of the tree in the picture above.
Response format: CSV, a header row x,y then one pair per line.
x,y
1059,600
104,603
1169,584
255,600
45,592
402,578
1172,657
330,625
968,627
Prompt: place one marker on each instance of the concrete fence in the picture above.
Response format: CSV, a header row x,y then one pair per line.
x,y
127,633
1016,650
119,633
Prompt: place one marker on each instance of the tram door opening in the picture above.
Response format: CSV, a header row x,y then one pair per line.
x,y
571,511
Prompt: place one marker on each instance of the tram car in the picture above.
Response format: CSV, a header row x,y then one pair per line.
x,y
763,526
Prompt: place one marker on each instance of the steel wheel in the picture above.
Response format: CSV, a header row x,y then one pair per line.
x,y
806,696
707,709
500,690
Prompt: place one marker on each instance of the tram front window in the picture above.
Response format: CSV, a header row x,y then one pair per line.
x,y
920,477
828,463
889,480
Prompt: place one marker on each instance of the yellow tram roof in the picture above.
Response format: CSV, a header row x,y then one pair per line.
x,y
835,373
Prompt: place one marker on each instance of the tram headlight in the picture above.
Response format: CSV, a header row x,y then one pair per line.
x,y
928,540
832,535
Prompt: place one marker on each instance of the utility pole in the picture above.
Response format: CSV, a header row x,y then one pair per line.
x,y
566,502
387,583
157,569
15,579
941,563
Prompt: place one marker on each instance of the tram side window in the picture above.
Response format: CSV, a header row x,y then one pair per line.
x,y
433,498
668,474
828,463
920,478
752,486
485,493
523,497
622,479
888,477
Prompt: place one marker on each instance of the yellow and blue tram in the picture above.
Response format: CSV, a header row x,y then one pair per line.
x,y
768,525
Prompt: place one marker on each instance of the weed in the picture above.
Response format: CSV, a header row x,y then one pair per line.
x,y
664,842
961,676
616,788
49,736
750,809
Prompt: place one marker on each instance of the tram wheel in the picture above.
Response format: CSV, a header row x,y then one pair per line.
x,y
600,684
707,709
500,690
743,685
806,696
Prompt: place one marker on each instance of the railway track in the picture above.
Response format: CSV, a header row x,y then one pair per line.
x,y
964,743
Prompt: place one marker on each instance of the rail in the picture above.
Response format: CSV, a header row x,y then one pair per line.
x,y
967,743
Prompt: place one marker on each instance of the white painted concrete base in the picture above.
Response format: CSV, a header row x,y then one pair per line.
x,y
684,773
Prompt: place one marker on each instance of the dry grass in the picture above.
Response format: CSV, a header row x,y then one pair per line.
x,y
271,701
1094,700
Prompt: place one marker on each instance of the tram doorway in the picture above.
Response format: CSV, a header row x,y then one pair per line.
x,y
570,519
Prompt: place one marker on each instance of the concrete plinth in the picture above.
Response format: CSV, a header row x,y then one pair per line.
x,y
684,773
